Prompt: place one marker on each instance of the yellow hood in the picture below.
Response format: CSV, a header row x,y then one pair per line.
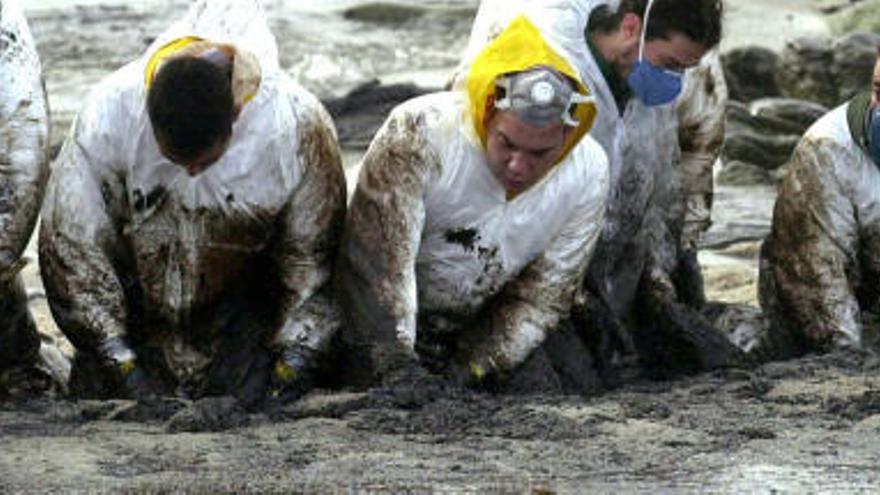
x,y
520,47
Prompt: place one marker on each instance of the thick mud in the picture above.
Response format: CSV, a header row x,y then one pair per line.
x,y
805,425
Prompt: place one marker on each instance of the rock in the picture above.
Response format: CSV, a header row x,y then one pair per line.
x,y
854,58
799,114
828,72
805,70
383,13
858,18
737,173
395,14
740,118
766,151
360,113
751,73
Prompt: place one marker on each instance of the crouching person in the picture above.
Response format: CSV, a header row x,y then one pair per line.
x,y
474,219
192,217
820,264
24,155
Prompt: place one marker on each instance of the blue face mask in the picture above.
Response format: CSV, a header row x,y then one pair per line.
x,y
653,85
874,134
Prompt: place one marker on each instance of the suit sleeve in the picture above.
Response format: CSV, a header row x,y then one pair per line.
x,y
81,242
309,235
381,242
812,248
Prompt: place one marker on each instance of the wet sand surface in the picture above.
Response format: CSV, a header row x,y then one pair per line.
x,y
808,425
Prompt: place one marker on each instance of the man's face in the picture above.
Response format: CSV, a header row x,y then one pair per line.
x,y
520,155
674,51
875,85
199,163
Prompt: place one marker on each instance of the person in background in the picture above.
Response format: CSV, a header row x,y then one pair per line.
x,y
474,218
820,264
643,290
191,222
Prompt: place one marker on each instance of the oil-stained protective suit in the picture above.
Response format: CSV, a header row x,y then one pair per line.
x,y
643,279
438,263
820,264
24,169
199,279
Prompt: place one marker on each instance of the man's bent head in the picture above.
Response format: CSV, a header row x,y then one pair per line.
x,y
191,108
528,122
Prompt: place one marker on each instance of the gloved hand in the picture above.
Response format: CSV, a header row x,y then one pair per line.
x,y
135,382
468,373
291,378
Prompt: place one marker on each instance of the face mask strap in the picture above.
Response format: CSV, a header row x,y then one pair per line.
x,y
645,29
504,103
573,101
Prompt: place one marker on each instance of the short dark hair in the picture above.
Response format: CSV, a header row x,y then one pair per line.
x,y
191,105
699,20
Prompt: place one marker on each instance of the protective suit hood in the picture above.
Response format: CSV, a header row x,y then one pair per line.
x,y
519,47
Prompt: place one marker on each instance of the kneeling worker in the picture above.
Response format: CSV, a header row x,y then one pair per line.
x,y
191,220
24,155
474,218
820,265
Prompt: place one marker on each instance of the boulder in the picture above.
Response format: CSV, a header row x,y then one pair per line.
x,y
766,151
360,113
751,73
798,114
854,58
828,71
740,118
858,16
805,70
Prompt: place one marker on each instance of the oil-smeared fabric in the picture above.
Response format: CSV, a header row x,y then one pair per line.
x,y
660,162
820,264
24,170
434,252
136,253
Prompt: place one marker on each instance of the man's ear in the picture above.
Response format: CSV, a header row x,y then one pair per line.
x,y
489,111
631,27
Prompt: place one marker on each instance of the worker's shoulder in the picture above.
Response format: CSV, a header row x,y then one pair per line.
x,y
440,103
590,159
118,91
303,105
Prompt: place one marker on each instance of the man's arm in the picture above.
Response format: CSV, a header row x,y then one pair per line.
x,y
700,113
808,256
24,139
79,243
380,244
673,333
533,304
310,228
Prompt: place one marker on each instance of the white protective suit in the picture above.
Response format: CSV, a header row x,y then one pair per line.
x,y
820,265
24,169
660,158
435,250
134,249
